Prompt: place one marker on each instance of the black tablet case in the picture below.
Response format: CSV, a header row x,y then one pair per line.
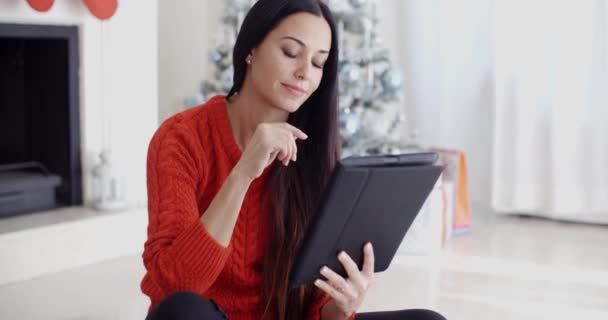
x,y
373,199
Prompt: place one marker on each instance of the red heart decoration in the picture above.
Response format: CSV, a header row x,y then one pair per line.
x,y
102,9
41,5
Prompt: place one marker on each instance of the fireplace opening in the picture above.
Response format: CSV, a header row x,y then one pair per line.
x,y
40,166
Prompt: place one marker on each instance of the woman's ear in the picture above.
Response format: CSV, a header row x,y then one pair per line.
x,y
250,56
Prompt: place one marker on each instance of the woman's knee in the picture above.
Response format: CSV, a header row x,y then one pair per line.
x,y
423,314
411,314
185,305
183,298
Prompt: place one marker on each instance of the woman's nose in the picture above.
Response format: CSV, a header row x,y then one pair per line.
x,y
302,72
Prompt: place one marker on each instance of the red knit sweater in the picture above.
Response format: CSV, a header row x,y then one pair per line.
x,y
189,158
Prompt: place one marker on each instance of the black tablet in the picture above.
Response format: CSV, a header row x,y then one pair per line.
x,y
368,199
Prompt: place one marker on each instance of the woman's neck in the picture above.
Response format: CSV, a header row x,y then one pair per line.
x,y
247,110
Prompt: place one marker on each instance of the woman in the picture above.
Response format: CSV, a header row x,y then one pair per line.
x,y
233,183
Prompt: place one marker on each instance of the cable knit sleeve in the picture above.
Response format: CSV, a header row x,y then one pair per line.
x,y
321,299
179,253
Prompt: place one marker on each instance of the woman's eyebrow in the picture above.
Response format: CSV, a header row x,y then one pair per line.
x,y
302,43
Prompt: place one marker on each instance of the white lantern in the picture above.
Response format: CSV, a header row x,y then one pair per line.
x,y
108,186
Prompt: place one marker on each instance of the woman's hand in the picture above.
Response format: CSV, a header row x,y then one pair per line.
x,y
270,141
347,294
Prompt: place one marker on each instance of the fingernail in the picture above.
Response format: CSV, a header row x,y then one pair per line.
x,y
317,282
342,254
369,245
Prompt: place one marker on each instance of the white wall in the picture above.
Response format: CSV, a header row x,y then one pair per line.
x,y
187,32
467,88
446,53
127,44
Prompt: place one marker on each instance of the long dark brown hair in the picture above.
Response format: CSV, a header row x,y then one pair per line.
x,y
296,189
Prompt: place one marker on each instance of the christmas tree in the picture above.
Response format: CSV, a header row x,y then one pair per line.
x,y
369,83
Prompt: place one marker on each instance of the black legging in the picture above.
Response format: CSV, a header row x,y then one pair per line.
x,y
190,306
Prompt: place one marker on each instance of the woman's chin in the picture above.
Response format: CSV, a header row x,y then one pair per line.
x,y
288,104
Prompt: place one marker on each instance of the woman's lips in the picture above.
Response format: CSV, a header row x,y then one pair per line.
x,y
296,91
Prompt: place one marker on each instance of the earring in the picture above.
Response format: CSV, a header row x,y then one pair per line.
x,y
248,60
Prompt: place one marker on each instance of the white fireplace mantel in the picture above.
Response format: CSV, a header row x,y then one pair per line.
x,y
126,46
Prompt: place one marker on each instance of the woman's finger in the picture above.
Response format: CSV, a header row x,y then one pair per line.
x,y
273,156
295,148
339,283
287,141
368,260
277,152
284,145
295,131
353,270
330,290
283,151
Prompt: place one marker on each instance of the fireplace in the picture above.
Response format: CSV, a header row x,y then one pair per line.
x,y
40,166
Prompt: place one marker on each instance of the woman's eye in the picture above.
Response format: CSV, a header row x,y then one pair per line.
x,y
289,54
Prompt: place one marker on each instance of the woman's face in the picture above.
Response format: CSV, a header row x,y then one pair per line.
x,y
287,67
